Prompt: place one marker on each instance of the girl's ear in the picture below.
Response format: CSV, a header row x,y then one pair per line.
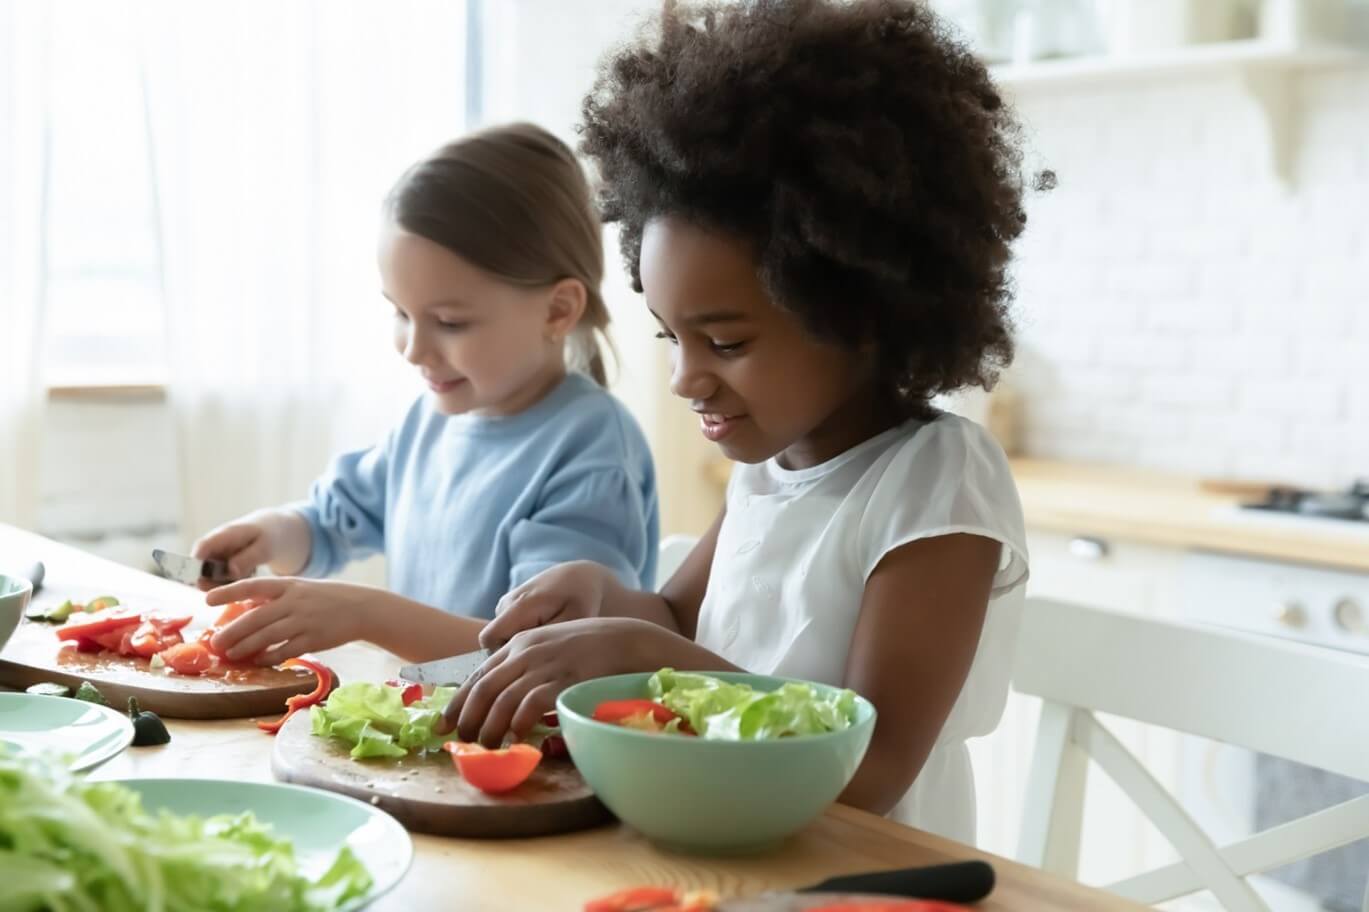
x,y
566,306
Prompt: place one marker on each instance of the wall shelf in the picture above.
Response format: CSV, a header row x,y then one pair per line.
x,y
1194,60
1260,70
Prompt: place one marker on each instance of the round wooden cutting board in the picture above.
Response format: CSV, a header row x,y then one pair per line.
x,y
34,655
428,795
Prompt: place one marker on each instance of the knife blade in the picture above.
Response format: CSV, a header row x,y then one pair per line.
x,y
451,671
190,570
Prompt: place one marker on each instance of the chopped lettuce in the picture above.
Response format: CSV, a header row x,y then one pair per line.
x,y
724,711
374,720
71,845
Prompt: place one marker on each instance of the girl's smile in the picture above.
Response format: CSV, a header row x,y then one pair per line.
x,y
715,426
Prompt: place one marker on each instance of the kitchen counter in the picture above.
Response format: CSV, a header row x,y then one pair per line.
x,y
1163,509
554,872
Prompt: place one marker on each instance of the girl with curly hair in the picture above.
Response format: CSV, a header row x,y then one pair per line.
x,y
818,199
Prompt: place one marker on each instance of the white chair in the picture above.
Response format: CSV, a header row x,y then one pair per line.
x,y
674,549
1282,698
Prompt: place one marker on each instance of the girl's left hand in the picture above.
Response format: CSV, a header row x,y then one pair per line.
x,y
299,616
520,682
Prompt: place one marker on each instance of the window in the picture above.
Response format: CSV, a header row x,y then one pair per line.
x,y
104,322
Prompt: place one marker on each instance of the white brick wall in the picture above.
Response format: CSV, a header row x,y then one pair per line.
x,y
1180,310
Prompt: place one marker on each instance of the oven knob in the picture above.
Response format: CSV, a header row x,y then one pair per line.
x,y
1289,613
1349,616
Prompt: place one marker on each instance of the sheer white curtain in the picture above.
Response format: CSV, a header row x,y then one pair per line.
x,y
23,82
275,129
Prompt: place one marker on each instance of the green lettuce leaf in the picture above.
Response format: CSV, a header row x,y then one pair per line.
x,y
724,711
374,720
70,845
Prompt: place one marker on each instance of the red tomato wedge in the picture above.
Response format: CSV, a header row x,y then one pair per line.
x,y
494,771
231,612
409,692
188,658
154,635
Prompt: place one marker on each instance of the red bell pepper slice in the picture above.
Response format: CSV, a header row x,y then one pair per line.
x,y
494,771
409,692
91,626
635,899
326,681
615,712
653,899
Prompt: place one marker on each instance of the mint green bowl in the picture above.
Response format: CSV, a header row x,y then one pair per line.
x,y
708,797
14,598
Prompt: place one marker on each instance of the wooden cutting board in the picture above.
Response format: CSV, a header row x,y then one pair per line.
x,y
34,655
428,795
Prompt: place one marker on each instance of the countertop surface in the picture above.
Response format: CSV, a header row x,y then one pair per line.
x,y
1164,509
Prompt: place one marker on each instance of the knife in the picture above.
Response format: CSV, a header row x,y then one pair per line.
x,y
957,882
191,570
961,882
452,671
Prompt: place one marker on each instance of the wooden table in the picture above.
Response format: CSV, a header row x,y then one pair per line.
x,y
550,873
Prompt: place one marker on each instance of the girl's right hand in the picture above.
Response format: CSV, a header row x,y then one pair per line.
x,y
566,592
280,538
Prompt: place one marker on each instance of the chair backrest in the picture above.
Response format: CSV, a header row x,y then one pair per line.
x,y
1274,696
674,549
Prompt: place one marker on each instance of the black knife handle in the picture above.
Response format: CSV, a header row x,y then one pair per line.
x,y
963,882
215,571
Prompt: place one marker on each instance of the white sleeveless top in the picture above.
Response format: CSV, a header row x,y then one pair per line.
x,y
796,547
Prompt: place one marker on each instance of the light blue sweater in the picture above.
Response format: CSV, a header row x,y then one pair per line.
x,y
466,507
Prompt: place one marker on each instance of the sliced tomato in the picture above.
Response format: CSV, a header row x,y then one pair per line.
x,y
494,771
188,658
126,642
151,637
409,692
231,612
111,640
92,625
234,610
86,644
168,624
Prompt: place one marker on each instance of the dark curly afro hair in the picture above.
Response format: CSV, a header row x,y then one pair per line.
x,y
856,145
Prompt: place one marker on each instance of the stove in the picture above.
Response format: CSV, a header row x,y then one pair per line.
x,y
1350,505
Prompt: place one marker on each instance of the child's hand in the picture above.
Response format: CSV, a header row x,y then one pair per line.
x,y
299,616
565,592
521,682
280,538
